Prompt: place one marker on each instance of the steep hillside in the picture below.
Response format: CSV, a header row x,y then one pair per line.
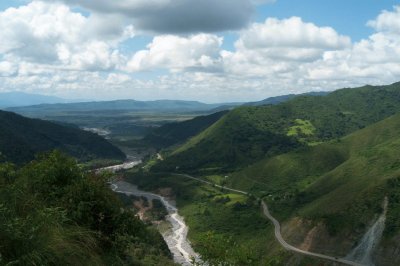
x,y
21,138
54,213
250,133
335,189
173,133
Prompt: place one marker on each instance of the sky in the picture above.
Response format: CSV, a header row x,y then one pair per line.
x,y
208,50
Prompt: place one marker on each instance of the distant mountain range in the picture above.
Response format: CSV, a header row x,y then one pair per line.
x,y
119,105
49,105
13,99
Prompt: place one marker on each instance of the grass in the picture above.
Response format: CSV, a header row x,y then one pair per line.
x,y
246,135
224,227
340,184
207,209
301,127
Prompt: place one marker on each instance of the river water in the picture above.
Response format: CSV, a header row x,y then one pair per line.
x,y
176,238
116,168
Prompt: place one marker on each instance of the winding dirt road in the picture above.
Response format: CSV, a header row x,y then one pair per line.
x,y
277,227
287,246
185,249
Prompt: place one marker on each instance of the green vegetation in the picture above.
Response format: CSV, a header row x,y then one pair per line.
x,y
340,184
21,138
226,228
174,133
233,140
53,213
301,128
247,134
329,165
121,120
208,213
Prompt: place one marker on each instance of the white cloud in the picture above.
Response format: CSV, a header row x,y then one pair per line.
x,y
52,34
281,49
199,52
387,21
7,69
49,48
291,33
373,60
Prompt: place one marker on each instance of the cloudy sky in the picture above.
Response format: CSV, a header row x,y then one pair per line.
x,y
208,50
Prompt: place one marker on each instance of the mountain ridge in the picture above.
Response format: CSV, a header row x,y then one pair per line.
x,y
303,120
22,138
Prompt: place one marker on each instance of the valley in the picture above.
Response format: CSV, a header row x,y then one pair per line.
x,y
310,185
199,133
278,178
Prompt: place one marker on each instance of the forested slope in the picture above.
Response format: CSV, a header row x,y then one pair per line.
x,y
21,138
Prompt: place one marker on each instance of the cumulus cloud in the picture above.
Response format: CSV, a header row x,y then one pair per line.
x,y
281,48
177,16
387,21
50,48
289,39
53,34
198,52
372,60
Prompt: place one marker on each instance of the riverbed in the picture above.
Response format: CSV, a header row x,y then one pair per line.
x,y
176,237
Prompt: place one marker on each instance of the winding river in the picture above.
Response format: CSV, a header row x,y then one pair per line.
x,y
176,238
183,253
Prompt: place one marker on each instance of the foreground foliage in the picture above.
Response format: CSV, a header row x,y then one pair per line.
x,y
53,213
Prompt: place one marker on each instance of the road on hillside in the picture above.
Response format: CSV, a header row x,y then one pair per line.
x,y
212,184
277,226
287,246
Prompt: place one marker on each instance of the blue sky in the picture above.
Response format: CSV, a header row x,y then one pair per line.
x,y
225,50
348,17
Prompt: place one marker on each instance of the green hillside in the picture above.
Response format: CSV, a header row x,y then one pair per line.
x,y
53,213
178,132
247,134
21,138
340,184
328,194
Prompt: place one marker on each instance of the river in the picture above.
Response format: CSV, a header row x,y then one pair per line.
x,y
176,237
